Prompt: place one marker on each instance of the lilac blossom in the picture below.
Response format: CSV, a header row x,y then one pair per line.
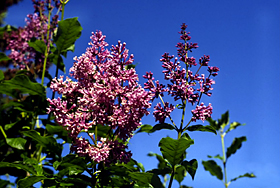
x,y
104,93
185,86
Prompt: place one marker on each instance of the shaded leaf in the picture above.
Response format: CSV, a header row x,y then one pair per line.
x,y
69,30
30,180
25,167
180,173
190,166
236,144
162,172
1,75
162,162
184,186
22,83
160,126
38,45
144,178
17,143
174,150
4,57
213,168
214,124
57,60
207,128
248,175
224,120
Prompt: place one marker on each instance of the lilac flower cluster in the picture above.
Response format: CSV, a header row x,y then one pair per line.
x,y
23,56
184,84
105,93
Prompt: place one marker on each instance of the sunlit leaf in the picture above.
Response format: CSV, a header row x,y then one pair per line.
x,y
233,126
180,173
17,143
248,175
174,150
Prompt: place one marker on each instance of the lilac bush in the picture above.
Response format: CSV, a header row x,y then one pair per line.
x,y
107,93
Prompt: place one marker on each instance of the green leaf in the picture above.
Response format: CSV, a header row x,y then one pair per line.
x,y
10,125
57,60
102,130
143,178
4,57
160,126
214,124
22,83
184,186
1,75
236,144
233,126
30,180
38,45
162,172
162,162
69,30
145,128
21,166
59,130
17,143
248,175
213,168
224,120
190,166
174,150
180,173
216,157
207,128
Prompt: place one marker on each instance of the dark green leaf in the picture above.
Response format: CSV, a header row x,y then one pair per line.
x,y
142,178
236,144
213,168
180,173
17,143
30,180
68,32
4,183
145,128
214,124
174,150
224,120
162,162
190,166
57,60
22,83
233,126
248,175
102,130
38,45
59,130
184,186
162,172
1,75
207,128
25,167
160,126
4,57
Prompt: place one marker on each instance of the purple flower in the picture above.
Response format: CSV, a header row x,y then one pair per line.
x,y
202,112
161,113
104,93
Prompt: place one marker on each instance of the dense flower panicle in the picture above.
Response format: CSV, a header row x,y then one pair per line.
x,y
202,112
161,113
184,85
105,93
23,56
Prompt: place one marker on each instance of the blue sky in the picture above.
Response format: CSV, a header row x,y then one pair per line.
x,y
242,39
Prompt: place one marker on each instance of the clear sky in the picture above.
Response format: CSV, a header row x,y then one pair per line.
x,y
242,39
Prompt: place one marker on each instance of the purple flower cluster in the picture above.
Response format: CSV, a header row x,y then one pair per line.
x,y
184,84
105,93
23,56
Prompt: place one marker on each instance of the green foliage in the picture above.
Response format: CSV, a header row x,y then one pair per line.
x,y
207,128
213,168
68,32
150,129
190,166
236,144
174,150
